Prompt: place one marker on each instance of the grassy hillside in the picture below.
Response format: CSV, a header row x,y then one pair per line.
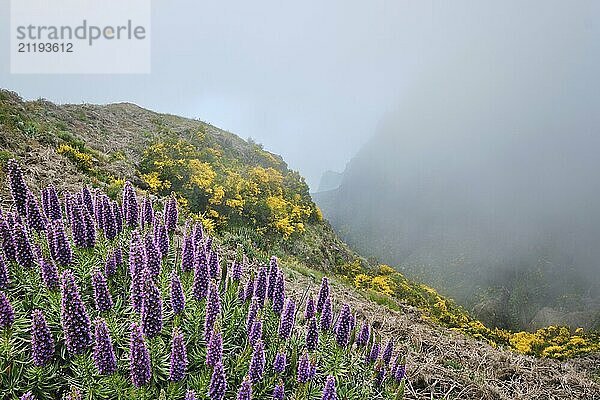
x,y
251,202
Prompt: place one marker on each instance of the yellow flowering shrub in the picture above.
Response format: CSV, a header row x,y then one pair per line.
x,y
83,161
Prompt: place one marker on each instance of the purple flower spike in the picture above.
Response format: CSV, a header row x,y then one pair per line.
x,y
42,343
200,284
90,229
88,199
187,254
323,294
342,329
279,392
329,392
130,205
28,396
18,187
190,395
25,256
171,214
255,333
400,372
147,213
326,316
261,286
252,313
272,279
279,294
137,266
78,228
153,256
118,216
364,335
63,254
102,295
74,318
151,308
236,271
218,383
312,335
214,265
49,274
214,350
108,220
374,353
118,256
304,372
8,242
213,309
35,219
161,237
51,203
110,265
287,320
4,279
139,358
197,233
309,310
387,353
257,363
104,353
178,363
177,296
245,392
279,363
249,291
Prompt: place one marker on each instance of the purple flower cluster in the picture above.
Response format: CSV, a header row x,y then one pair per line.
x,y
279,392
176,291
187,254
51,203
218,383
25,256
4,279
147,213
260,290
237,271
279,294
306,369
42,343
272,279
110,265
255,333
139,358
249,290
245,392
161,237
279,363
252,313
6,236
153,256
214,350
130,205
60,248
151,312
214,266
364,335
18,187
28,396
171,214
213,309
309,310
387,352
374,353
137,266
329,392
312,335
74,318
323,294
178,361
201,278
286,323
102,296
343,326
190,395
326,318
104,353
35,219
49,273
257,363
